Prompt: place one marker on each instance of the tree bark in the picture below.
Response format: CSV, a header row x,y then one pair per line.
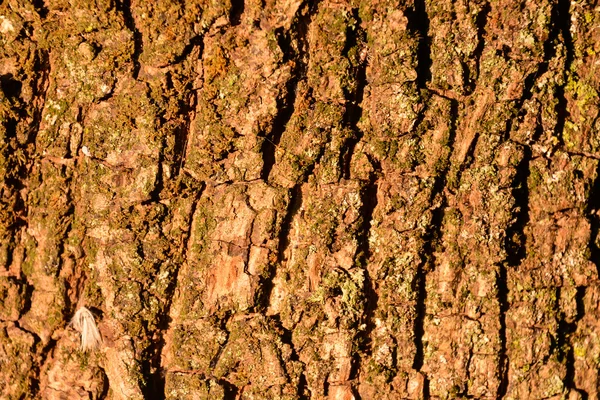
x,y
339,199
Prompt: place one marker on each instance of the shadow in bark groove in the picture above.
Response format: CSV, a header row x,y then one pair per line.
x,y
564,345
155,388
236,11
502,368
592,215
18,173
105,385
40,7
515,245
515,241
363,253
124,7
481,22
561,345
182,134
285,105
302,388
286,338
10,86
196,41
561,19
418,23
40,351
230,390
223,326
353,111
561,25
430,237
284,241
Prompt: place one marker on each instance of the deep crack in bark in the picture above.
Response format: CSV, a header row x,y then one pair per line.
x,y
285,105
430,239
124,7
418,23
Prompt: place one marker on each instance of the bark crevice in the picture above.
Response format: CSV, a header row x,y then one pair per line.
x,y
439,201
124,7
286,104
418,23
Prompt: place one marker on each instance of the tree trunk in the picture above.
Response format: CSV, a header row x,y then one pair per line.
x,y
341,199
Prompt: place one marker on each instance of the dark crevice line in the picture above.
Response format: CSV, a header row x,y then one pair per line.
x,y
565,347
286,224
42,66
430,240
481,22
69,304
159,184
353,111
418,23
196,41
187,110
182,135
151,364
419,287
236,11
515,244
368,193
231,391
20,173
40,7
469,157
561,19
43,356
10,192
549,46
303,388
39,351
223,326
10,86
105,384
287,338
592,215
463,389
560,344
155,388
368,196
563,22
285,107
515,239
266,283
502,367
124,7
286,104
17,180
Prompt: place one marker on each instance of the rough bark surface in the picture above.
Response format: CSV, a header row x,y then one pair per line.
x,y
291,199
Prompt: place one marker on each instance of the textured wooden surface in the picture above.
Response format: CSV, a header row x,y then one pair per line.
x,y
300,199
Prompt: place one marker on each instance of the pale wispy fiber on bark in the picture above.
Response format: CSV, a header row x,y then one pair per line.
x,y
84,323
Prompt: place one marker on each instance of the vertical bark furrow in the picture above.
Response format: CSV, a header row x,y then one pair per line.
x,y
295,48
418,23
124,7
481,21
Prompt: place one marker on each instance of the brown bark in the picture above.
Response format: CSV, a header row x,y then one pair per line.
x,y
338,199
